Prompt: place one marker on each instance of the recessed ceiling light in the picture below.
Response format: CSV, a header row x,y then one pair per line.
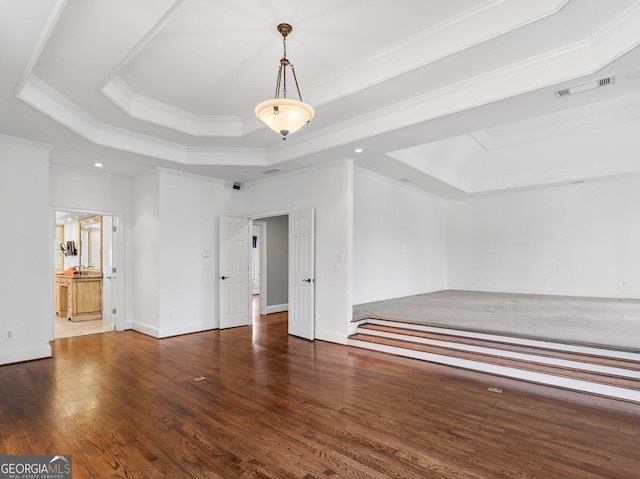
x,y
98,165
358,150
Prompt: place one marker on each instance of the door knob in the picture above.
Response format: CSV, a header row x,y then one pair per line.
x,y
307,280
224,277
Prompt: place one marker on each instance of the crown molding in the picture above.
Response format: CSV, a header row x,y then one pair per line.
x,y
564,64
47,100
472,27
14,140
591,117
149,110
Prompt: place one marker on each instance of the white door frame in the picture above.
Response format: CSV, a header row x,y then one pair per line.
x,y
263,282
262,248
120,264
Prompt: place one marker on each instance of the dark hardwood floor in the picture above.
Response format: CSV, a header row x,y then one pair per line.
x,y
274,406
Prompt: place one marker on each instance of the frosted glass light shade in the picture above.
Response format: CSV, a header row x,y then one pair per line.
x,y
288,117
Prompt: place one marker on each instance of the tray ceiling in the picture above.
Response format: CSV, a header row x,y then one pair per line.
x,y
456,97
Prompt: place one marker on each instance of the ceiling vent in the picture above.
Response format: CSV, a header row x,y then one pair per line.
x,y
272,171
591,85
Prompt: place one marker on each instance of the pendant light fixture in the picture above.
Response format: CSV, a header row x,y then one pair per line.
x,y
285,115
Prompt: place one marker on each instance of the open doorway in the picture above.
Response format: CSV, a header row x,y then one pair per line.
x,y
84,280
270,265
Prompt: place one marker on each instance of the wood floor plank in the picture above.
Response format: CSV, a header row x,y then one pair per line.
x,y
275,406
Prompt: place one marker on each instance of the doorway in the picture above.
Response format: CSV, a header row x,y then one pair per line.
x,y
272,250
85,266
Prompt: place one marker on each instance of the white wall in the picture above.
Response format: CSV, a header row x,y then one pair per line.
x,y
581,239
96,192
189,210
26,287
328,189
399,239
146,254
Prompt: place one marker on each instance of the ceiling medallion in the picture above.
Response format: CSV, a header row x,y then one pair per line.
x,y
284,115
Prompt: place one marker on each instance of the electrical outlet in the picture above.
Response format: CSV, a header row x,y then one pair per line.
x,y
625,283
8,334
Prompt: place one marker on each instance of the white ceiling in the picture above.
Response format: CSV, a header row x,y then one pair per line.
x,y
455,97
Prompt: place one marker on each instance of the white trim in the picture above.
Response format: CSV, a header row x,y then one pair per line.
x,y
540,378
331,336
262,246
29,143
121,322
180,329
610,353
28,354
562,363
145,329
50,25
277,308
161,114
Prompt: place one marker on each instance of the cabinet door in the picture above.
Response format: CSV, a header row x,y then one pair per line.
x,y
88,296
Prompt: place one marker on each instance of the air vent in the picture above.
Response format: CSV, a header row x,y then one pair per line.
x,y
272,171
606,81
582,87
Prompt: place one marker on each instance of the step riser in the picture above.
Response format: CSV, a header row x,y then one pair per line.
x,y
592,351
530,376
560,363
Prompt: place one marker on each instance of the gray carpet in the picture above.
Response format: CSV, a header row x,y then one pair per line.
x,y
580,320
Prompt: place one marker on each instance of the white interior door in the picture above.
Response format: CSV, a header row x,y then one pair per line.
x,y
234,278
302,273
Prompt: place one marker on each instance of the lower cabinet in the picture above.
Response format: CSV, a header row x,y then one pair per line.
x,y
79,299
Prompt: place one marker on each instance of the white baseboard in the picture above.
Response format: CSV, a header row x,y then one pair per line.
x,y
27,354
277,308
180,329
145,329
331,336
